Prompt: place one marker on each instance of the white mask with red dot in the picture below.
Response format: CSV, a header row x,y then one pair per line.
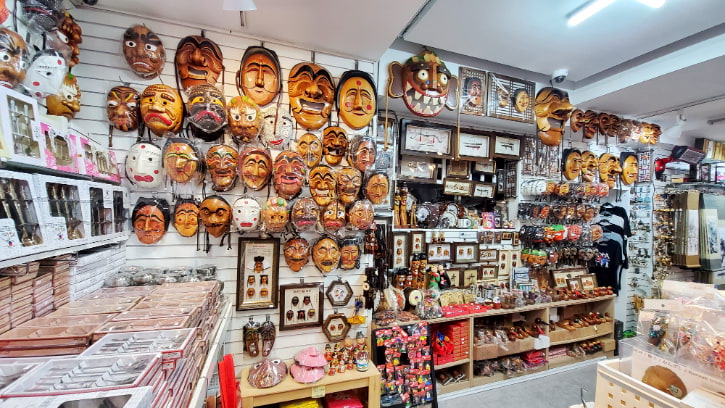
x,y
45,75
143,165
245,214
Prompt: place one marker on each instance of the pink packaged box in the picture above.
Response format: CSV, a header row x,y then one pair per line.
x,y
97,320
61,152
40,337
172,344
169,323
78,311
97,161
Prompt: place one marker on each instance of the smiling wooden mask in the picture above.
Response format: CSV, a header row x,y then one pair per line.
x,y
259,75
552,111
186,217
255,166
326,254
198,61
289,174
221,161
311,92
150,219
296,253
356,99
216,215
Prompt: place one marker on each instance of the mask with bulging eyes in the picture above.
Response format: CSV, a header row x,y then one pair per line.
x,y
311,92
221,161
255,166
305,214
186,217
46,74
350,254
181,160
143,51
362,153
267,373
333,217
215,214
289,174
296,253
425,84
162,109
150,218
246,214
143,165
360,215
310,148
207,108
349,181
334,144
122,108
275,214
277,128
67,102
245,119
13,58
198,60
326,254
323,183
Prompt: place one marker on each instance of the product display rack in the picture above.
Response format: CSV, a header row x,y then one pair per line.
x,y
60,251
219,336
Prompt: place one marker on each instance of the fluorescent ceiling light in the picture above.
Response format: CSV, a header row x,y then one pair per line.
x,y
587,10
239,5
653,3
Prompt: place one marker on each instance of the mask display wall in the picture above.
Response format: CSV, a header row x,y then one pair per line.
x,y
143,165
323,184
259,75
311,91
590,166
552,110
326,254
424,83
215,214
377,187
350,254
150,218
245,119
349,181
362,152
277,128
334,144
162,109
122,108
356,99
305,214
255,166
143,51
609,169
289,174
15,58
630,168
296,253
198,61
70,32
67,102
181,160
46,74
310,148
572,164
186,217
275,214
333,217
246,214
207,108
221,162
42,15
650,133
360,215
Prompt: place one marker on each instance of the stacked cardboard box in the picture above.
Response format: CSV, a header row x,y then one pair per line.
x,y
59,268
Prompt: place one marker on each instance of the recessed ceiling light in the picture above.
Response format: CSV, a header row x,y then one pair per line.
x,y
239,5
587,10
653,3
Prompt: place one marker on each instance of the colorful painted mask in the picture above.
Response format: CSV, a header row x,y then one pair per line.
x,y
143,165
609,169
215,214
221,162
14,61
310,148
333,216
198,61
350,254
259,75
572,165
275,214
186,217
255,166
267,373
349,181
334,144
122,108
356,99
362,152
296,253
162,109
630,168
311,92
42,15
289,174
246,214
590,166
245,119
46,74
361,215
425,84
67,102
150,219
305,214
552,111
181,160
277,128
323,183
144,52
377,187
597,232
71,33
326,254
207,108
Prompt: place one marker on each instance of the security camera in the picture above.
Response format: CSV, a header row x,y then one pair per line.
x,y
559,75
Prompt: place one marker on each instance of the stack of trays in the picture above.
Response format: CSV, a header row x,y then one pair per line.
x,y
42,295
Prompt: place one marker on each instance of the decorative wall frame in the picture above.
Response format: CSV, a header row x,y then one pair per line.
x,y
560,276
472,146
589,281
400,249
506,147
306,311
417,169
465,252
510,98
257,273
488,272
458,187
458,168
484,190
488,166
423,139
417,242
473,91
454,274
469,277
487,254
336,327
439,252
339,292
574,284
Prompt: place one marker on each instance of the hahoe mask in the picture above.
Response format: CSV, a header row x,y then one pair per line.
x,y
323,183
609,125
576,120
181,160
572,166
122,108
350,254
14,61
144,52
590,124
630,168
362,152
326,254
162,109
360,215
143,165
334,144
310,148
186,217
650,133
215,214
296,253
333,216
609,169
552,111
277,128
67,102
305,214
590,166
150,219
424,83
245,119
275,214
221,161
289,174
207,108
246,214
311,92
259,75
255,166
70,32
198,61
349,181
46,73
377,187
356,99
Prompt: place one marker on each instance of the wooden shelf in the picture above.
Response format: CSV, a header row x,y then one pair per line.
x,y
60,251
566,360
452,363
604,332
453,387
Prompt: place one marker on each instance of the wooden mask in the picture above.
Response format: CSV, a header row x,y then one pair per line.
x,y
143,165
424,83
198,61
350,254
349,181
650,133
275,214
277,128
326,254
186,217
572,164
67,102
289,174
143,51
221,161
207,108
215,214
296,253
323,183
377,187
15,61
245,119
362,152
361,214
162,109
609,169
259,75
246,213
310,148
576,120
70,33
305,214
590,166
356,99
181,160
333,216
255,166
552,111
630,168
590,123
311,92
334,144
122,108
150,219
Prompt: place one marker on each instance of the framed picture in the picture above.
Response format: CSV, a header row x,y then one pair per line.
x,y
336,327
470,277
484,190
339,292
455,276
507,237
417,242
497,236
439,252
473,91
487,255
421,139
415,168
506,147
488,272
589,281
257,273
400,249
488,237
574,284
458,168
471,146
458,187
510,98
464,252
301,305
515,239
488,166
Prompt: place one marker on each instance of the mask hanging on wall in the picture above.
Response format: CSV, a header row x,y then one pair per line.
x,y
333,217
143,165
311,92
609,169
572,164
144,52
46,74
377,187
207,108
356,99
334,144
186,217
552,110
310,148
650,133
275,215
255,166
259,76
182,160
215,214
326,254
360,215
424,83
42,15
67,102
323,184
150,219
349,181
296,253
245,119
198,61
162,109
221,163
361,152
246,214
630,168
122,108
15,58
305,214
350,254
289,174
277,128
71,33
590,166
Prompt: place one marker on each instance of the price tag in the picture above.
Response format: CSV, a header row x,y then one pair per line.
x,y
318,392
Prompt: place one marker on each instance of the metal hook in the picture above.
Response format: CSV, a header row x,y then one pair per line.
x,y
302,280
